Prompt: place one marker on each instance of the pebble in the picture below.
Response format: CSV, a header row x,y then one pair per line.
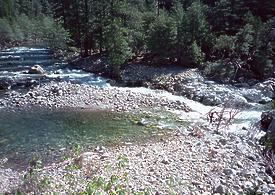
x,y
259,180
220,189
271,186
268,179
248,185
165,161
239,164
228,171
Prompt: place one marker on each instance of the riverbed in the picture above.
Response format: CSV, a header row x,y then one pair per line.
x,y
72,109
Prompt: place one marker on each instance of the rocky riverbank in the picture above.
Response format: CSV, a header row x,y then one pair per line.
x,y
68,95
190,83
194,159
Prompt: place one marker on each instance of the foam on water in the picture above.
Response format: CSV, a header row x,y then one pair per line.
x,y
17,70
198,114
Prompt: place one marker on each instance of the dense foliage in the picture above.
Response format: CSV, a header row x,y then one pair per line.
x,y
31,22
228,38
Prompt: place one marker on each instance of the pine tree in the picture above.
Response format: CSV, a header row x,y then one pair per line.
x,y
162,34
192,34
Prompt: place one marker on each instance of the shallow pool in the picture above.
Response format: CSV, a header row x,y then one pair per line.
x,y
50,134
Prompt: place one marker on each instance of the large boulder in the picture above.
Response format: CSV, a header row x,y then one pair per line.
x,y
268,125
36,69
268,122
267,87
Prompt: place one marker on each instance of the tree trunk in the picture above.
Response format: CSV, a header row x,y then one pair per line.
x,y
86,39
78,39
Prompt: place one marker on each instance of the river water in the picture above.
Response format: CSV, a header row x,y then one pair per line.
x,y
15,63
49,134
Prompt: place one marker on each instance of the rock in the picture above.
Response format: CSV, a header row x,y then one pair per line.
x,y
100,149
239,164
220,189
6,83
265,100
268,179
223,141
85,159
252,95
271,186
267,88
271,127
165,160
266,119
104,155
3,161
211,100
36,69
228,171
143,122
31,82
252,158
259,180
59,71
248,185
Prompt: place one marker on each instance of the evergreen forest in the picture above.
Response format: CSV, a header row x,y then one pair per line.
x,y
215,35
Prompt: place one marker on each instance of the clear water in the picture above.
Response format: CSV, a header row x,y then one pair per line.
x,y
49,134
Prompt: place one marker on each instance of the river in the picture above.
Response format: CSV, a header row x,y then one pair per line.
x,y
49,134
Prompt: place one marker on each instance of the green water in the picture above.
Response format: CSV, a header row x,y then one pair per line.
x,y
51,134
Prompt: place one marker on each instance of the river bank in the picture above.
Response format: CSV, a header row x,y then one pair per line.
x,y
66,94
186,162
191,83
194,159
196,156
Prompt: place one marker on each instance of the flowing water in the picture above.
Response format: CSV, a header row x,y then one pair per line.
x,y
15,63
245,119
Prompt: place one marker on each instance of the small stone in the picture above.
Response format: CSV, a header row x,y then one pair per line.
x,y
220,189
3,161
271,186
84,159
251,158
142,122
103,156
268,179
196,183
228,171
264,188
248,185
139,154
240,164
223,181
223,141
100,149
259,180
165,161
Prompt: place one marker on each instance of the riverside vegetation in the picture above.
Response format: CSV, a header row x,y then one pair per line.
x,y
181,146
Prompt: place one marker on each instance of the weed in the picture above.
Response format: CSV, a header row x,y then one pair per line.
x,y
222,118
117,183
45,183
72,167
123,161
77,149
